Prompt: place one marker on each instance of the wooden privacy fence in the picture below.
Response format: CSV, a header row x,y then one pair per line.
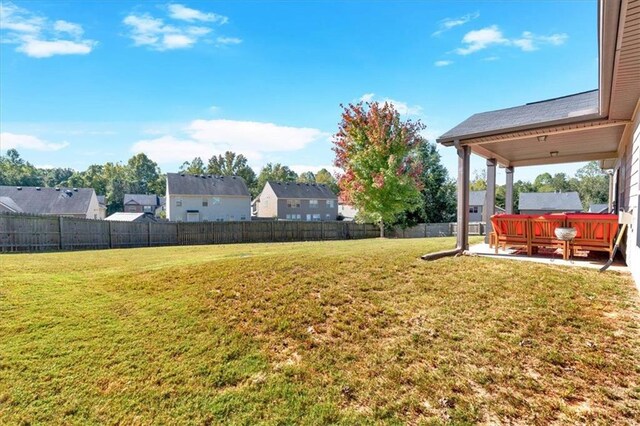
x,y
21,232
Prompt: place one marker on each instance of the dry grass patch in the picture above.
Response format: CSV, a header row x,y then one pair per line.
x,y
350,332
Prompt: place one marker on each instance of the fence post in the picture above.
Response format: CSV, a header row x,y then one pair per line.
x,y
61,229
321,230
110,237
148,234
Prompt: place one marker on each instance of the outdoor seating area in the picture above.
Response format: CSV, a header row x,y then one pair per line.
x,y
569,232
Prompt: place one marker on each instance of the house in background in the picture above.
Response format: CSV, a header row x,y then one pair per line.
x,y
296,201
549,202
477,208
72,202
141,203
200,198
347,211
599,208
132,217
102,202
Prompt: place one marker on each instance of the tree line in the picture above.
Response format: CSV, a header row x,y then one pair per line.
x,y
141,175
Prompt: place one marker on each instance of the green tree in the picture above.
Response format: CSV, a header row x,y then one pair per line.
x,y
142,175
479,181
275,172
231,164
324,177
438,203
194,167
592,184
55,176
307,177
17,172
379,155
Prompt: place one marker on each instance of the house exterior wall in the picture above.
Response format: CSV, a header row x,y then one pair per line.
x,y
476,216
305,210
94,211
629,192
267,205
219,208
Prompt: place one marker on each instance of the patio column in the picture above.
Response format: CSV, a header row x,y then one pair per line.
x,y
464,157
610,200
508,199
490,198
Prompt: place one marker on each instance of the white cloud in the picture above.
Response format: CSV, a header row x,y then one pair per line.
x,y
68,27
156,34
168,149
481,39
181,12
45,49
490,36
224,41
529,42
402,107
449,23
15,141
205,138
300,168
37,37
442,63
367,97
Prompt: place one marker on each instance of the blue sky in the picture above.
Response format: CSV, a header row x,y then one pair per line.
x,y
90,82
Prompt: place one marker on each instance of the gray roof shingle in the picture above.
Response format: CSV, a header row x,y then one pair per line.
x,y
302,190
550,201
66,201
185,184
8,205
141,199
510,119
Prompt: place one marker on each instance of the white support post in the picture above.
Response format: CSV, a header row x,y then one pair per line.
x,y
490,198
508,199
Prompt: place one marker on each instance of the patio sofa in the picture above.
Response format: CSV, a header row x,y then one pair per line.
x,y
595,232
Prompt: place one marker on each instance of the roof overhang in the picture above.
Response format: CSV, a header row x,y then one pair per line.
x,y
588,137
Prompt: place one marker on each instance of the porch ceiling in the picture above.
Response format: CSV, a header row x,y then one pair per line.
x,y
583,141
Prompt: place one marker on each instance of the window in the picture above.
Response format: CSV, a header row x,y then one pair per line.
x,y
316,217
205,203
313,204
147,209
328,216
288,216
473,209
292,204
331,203
178,203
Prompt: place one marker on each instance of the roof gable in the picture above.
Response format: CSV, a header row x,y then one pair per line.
x,y
141,199
301,190
551,201
185,184
576,107
61,201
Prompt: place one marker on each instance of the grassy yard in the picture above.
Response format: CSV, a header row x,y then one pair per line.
x,y
352,332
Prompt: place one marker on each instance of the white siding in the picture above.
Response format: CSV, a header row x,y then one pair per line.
x,y
630,195
94,211
218,208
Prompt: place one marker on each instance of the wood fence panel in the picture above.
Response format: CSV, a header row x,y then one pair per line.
x,y
163,234
83,234
23,232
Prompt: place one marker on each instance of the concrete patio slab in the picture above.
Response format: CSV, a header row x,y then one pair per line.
x,y
551,257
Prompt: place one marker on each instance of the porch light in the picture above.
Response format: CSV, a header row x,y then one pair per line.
x,y
542,138
554,153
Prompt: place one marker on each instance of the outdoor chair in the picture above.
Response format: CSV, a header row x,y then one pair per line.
x,y
542,232
595,232
512,230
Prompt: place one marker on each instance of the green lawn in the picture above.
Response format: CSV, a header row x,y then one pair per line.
x,y
351,332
